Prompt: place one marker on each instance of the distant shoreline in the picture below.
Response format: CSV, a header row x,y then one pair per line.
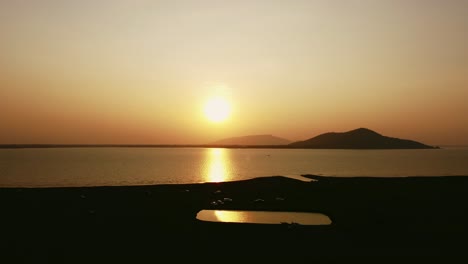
x,y
361,138
23,146
17,146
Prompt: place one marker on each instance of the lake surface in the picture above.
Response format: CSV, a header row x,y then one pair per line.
x,y
263,217
139,166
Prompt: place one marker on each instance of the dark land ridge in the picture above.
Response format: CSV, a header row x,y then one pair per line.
x,y
265,140
422,216
361,138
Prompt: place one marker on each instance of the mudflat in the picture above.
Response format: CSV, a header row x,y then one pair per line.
x,y
425,216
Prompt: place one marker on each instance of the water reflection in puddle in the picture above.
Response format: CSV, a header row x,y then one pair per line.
x,y
263,217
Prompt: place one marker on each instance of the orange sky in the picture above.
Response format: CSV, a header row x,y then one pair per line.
x,y
141,71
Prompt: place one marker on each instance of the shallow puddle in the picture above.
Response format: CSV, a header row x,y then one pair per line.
x,y
263,217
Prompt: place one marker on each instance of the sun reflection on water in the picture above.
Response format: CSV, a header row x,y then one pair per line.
x,y
229,216
264,217
217,169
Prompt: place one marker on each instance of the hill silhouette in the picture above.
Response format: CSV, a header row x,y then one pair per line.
x,y
253,140
361,138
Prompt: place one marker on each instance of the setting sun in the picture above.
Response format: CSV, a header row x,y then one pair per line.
x,y
217,109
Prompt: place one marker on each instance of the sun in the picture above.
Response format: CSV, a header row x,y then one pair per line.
x,y
217,109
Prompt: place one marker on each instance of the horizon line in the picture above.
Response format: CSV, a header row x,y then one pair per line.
x,y
286,146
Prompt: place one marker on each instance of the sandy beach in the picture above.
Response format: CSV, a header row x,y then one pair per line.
x,y
424,216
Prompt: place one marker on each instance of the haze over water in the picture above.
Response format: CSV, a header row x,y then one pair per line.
x,y
137,166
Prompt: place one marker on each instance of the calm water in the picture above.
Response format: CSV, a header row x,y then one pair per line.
x,y
263,217
136,166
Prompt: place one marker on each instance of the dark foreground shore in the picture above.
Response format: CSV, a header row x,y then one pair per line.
x,y
422,216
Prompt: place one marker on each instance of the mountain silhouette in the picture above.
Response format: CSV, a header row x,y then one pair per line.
x,y
361,138
253,140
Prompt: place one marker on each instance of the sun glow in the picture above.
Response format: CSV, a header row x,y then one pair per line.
x,y
217,109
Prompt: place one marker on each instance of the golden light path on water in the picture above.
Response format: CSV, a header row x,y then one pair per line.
x,y
229,217
264,217
217,165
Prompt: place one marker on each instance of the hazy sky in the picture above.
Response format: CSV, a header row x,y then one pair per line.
x,y
141,71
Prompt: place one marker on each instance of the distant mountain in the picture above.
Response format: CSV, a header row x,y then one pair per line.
x,y
361,138
255,140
